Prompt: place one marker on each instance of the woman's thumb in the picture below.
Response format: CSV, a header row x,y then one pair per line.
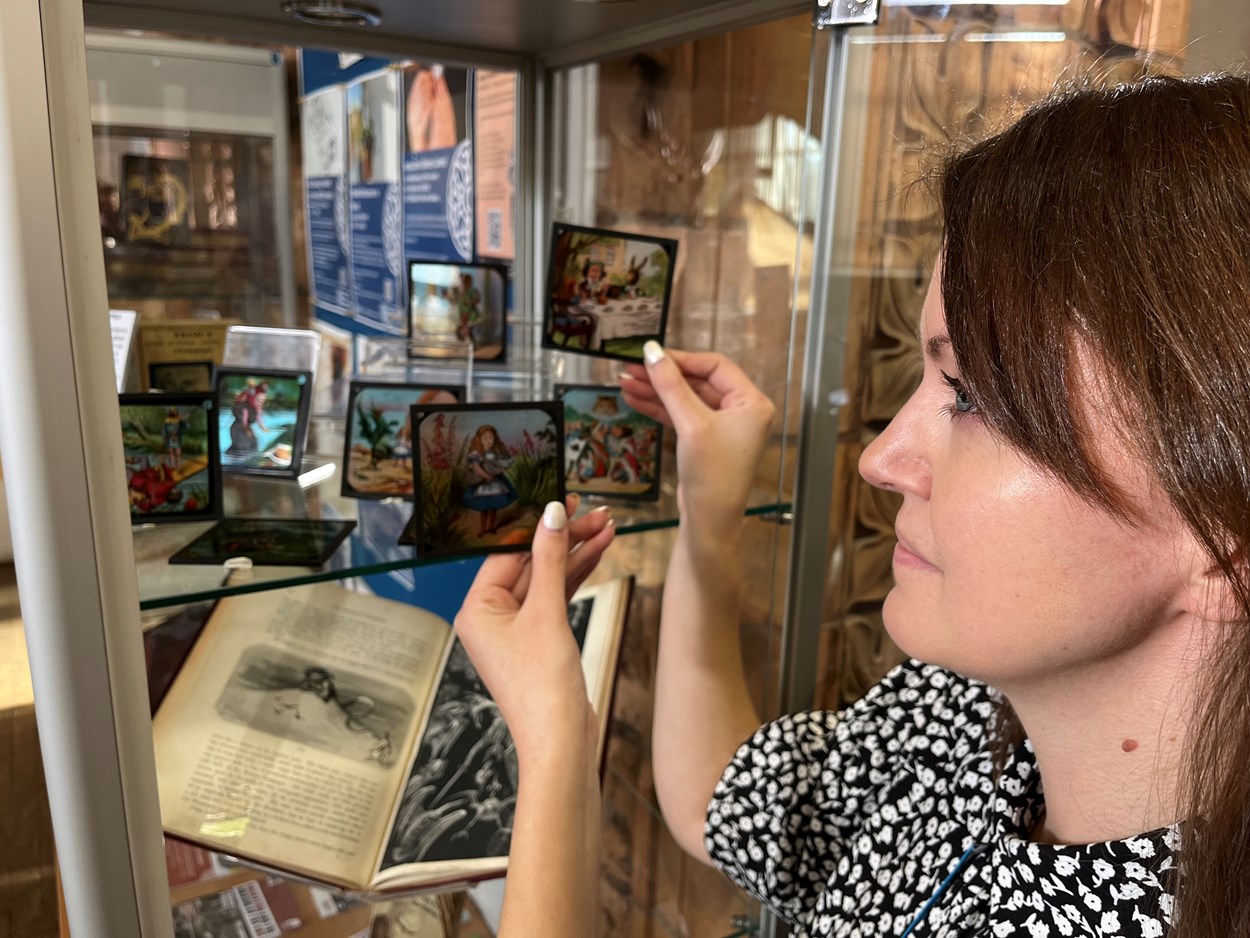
x,y
675,393
550,552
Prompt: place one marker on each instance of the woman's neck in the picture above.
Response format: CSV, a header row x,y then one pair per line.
x,y
1109,738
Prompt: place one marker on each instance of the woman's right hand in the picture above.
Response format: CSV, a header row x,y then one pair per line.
x,y
722,422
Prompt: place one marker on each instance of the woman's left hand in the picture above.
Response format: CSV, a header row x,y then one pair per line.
x,y
514,625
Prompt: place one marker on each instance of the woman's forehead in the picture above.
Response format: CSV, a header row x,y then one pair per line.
x,y
932,327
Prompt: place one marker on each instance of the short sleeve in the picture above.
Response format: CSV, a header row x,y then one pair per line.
x,y
766,824
797,793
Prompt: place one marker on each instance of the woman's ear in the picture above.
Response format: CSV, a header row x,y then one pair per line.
x,y
1215,596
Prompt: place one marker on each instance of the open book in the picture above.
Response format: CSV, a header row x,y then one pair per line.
x,y
346,739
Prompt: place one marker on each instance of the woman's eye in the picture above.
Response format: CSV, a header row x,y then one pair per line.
x,y
964,403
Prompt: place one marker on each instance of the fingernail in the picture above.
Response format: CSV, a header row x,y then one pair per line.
x,y
652,351
555,517
624,376
595,511
611,524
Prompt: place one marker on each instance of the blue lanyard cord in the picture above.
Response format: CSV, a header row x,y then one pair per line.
x,y
941,890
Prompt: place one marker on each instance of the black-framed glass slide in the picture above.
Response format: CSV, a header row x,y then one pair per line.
x,y
282,542
455,310
170,449
262,420
377,446
484,474
608,292
181,377
610,450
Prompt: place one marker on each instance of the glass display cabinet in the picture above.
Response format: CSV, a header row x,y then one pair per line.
x,y
151,159
176,181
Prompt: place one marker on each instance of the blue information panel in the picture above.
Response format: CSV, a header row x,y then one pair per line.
x,y
389,178
325,193
373,133
438,164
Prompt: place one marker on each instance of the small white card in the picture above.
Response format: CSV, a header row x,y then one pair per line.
x,y
122,322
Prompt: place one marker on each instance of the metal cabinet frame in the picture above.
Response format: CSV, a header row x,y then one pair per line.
x,y
63,458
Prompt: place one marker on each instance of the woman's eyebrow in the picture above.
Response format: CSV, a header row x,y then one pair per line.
x,y
936,346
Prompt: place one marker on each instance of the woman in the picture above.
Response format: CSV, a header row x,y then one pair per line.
x,y
1075,486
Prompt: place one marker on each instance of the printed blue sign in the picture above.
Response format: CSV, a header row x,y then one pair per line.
x,y
438,164
328,241
438,204
377,263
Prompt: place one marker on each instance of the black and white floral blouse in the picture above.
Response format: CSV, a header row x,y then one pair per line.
x,y
849,824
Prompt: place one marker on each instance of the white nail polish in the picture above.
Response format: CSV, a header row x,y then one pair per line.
x,y
595,511
624,376
652,351
555,517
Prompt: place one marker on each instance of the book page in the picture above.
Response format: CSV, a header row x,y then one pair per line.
x,y
454,818
288,733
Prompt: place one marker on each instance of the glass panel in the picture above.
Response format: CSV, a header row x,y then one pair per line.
x,y
203,234
923,78
704,143
186,141
175,226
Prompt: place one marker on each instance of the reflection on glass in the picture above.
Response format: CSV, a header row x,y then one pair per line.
x,y
174,225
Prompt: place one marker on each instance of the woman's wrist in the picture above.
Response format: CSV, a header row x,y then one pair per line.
x,y
712,540
567,756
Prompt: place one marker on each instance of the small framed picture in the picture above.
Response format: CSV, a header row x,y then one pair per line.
x,y
281,542
157,200
610,450
485,472
170,447
457,309
377,447
262,420
608,292
181,377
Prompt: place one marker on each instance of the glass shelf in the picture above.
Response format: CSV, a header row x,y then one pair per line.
x,y
372,546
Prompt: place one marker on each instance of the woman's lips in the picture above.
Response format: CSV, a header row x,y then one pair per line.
x,y
904,556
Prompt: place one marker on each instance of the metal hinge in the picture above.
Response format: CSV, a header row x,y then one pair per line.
x,y
833,13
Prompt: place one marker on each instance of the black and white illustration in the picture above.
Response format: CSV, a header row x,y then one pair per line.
x,y
579,619
459,800
303,701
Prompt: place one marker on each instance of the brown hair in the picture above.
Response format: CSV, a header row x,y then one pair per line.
x,y
498,446
1116,222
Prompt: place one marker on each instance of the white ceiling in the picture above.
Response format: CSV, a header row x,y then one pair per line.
x,y
558,30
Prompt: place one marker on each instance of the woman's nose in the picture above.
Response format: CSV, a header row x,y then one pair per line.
x,y
897,460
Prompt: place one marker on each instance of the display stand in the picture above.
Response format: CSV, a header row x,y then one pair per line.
x,y
71,526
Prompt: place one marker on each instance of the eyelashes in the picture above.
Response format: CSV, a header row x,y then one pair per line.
x,y
963,403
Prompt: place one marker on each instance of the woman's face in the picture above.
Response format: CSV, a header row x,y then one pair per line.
x,y
1002,572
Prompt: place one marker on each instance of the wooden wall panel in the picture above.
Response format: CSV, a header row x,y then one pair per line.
x,y
938,81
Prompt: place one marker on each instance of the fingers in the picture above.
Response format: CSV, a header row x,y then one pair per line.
x,y
641,389
648,408
585,558
674,392
580,530
720,373
549,559
500,571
